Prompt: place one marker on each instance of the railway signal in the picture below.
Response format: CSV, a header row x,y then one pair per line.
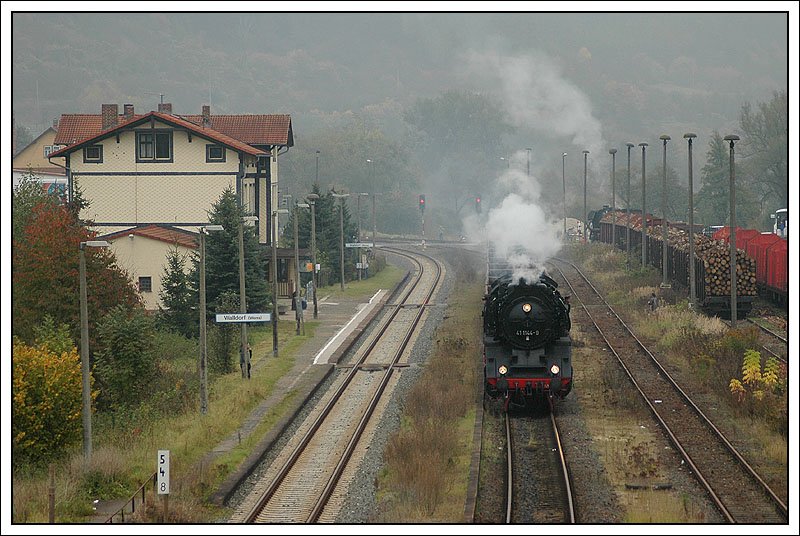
x,y
422,203
478,204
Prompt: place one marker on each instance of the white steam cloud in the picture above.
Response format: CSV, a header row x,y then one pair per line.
x,y
534,95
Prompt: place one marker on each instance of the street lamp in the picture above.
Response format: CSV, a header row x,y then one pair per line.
x,y
275,285
564,184
244,355
529,161
86,387
372,187
644,209
692,295
203,352
298,309
613,153
358,209
664,236
312,200
341,233
732,139
585,213
628,209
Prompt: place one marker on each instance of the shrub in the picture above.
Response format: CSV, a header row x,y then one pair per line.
x,y
46,402
125,362
761,392
221,338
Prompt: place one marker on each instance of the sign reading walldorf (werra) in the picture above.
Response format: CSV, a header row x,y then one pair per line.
x,y
244,317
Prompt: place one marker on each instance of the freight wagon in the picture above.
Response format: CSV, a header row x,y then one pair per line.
x,y
771,255
712,264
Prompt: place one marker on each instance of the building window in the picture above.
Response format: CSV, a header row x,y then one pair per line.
x,y
93,154
154,146
215,153
146,284
48,149
249,196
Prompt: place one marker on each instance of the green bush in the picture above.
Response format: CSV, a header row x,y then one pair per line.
x,y
125,363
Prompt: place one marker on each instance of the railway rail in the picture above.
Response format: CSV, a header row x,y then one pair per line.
x,y
738,491
538,484
776,345
308,484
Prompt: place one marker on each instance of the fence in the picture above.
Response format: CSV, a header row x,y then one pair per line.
x,y
142,491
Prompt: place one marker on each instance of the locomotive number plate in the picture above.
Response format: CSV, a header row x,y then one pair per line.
x,y
527,333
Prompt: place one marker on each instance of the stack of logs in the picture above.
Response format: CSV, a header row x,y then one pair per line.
x,y
715,255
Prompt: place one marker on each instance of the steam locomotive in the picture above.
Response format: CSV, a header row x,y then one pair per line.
x,y
527,349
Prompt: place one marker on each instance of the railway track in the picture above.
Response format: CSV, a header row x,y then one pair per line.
x,y
538,486
736,489
775,344
308,481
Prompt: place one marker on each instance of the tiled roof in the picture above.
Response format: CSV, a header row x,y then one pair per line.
x,y
273,129
169,119
265,129
163,233
73,128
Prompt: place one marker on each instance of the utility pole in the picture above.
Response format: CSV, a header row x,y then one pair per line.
x,y
613,153
732,238
628,210
244,355
644,209
664,235
585,213
692,291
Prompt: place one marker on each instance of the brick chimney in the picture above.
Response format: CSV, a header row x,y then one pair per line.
x,y
206,115
109,114
165,107
127,111
55,123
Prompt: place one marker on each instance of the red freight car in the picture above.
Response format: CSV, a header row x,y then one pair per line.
x,y
744,236
757,249
778,270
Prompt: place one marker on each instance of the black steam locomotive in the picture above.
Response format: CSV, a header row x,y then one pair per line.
x,y
527,349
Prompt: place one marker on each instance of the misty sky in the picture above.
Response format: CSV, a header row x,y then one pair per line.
x,y
568,81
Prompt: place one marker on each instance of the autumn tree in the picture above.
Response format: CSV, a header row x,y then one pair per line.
x,y
764,150
46,397
45,273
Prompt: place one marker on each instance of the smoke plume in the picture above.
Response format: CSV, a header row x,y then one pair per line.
x,y
534,95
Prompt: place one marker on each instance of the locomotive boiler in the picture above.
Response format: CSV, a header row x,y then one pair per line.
x,y
526,342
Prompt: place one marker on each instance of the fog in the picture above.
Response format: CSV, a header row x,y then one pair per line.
x,y
565,81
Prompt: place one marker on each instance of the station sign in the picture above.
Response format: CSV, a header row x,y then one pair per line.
x,y
358,245
244,317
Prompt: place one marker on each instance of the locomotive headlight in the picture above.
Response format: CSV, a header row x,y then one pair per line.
x,y
526,307
502,370
555,369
